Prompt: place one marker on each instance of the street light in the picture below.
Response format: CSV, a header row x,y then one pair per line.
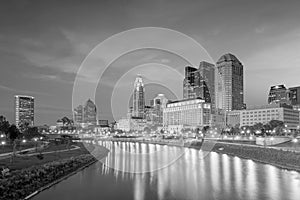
x,y
295,140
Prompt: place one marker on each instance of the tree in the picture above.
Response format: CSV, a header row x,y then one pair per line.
x,y
66,121
23,127
147,130
13,133
32,132
4,125
277,126
258,127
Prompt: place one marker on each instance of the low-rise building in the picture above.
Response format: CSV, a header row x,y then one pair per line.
x,y
266,113
131,124
123,124
186,113
233,118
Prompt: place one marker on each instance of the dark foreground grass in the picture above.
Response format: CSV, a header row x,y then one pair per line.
x,y
29,174
25,161
21,183
9,147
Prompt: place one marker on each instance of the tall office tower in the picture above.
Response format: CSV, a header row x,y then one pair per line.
x,y
138,98
294,93
205,83
230,86
78,115
90,113
278,94
189,83
24,110
294,97
159,103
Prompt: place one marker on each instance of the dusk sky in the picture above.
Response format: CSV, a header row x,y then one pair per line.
x,y
43,43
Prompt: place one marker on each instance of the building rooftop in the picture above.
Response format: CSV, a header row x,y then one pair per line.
x,y
280,105
277,87
227,58
182,100
26,96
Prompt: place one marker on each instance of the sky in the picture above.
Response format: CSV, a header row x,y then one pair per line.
x,y
43,45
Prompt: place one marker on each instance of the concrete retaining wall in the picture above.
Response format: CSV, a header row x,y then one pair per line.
x,y
272,140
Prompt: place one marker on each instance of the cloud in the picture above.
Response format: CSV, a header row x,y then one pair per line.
x,y
10,89
260,30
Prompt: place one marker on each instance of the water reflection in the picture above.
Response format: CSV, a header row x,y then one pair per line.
x,y
191,177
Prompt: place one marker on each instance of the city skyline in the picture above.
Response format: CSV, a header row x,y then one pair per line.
x,y
40,53
150,100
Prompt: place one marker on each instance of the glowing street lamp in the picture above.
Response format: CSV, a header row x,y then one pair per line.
x,y
295,140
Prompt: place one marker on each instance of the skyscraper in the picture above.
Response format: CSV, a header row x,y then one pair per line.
x,y
24,110
205,79
230,86
200,82
158,104
138,98
278,94
90,112
78,114
294,93
189,82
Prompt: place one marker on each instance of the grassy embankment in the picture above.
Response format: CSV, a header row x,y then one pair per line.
x,y
30,175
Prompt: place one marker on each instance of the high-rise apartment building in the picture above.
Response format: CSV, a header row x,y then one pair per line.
x,y
230,83
279,94
24,110
138,98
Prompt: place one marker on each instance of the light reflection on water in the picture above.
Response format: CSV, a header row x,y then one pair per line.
x,y
192,177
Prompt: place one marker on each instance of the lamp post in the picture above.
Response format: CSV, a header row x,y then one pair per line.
x,y
295,141
3,144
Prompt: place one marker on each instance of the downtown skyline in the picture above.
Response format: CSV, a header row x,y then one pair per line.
x,y
42,59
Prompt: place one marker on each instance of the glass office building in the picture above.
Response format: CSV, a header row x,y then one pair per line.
x,y
24,110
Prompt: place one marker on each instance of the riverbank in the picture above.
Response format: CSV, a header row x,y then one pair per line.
x,y
282,159
32,173
25,183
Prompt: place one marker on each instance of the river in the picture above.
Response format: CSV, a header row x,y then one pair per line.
x,y
135,171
